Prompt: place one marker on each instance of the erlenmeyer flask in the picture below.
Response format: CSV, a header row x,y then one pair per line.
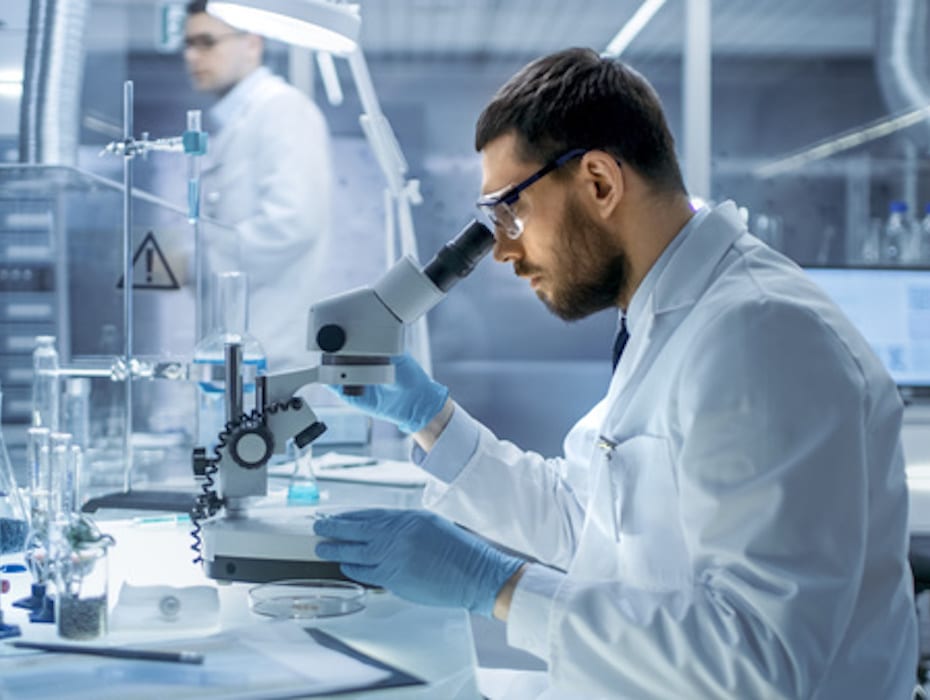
x,y
13,519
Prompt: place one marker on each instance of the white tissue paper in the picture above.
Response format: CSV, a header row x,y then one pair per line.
x,y
166,607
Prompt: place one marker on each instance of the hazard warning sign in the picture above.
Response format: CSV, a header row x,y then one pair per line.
x,y
150,269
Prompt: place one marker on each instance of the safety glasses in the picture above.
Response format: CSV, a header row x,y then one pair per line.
x,y
206,42
499,206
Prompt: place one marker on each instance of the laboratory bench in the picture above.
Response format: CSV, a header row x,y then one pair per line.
x,y
428,651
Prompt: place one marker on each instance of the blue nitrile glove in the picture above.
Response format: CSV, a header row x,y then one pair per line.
x,y
411,402
416,555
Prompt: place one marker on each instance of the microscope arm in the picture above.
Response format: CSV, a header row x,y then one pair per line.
x,y
357,333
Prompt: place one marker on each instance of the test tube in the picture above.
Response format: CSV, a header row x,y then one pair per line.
x,y
60,464
75,414
40,485
75,474
194,125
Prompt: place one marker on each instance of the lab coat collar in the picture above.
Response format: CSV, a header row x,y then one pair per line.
x,y
643,294
689,269
237,99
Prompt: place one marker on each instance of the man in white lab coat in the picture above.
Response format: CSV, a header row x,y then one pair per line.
x,y
267,173
730,521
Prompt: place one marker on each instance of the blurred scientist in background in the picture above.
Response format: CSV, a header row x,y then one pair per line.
x,y
267,173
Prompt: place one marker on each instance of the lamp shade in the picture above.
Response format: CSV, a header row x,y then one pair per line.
x,y
312,24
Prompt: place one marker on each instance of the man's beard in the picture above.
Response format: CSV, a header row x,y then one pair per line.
x,y
593,270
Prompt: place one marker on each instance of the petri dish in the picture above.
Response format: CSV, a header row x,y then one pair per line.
x,y
307,598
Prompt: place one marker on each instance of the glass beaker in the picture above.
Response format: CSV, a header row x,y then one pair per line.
x,y
81,578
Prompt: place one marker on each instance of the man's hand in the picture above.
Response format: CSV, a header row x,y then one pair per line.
x,y
417,555
411,402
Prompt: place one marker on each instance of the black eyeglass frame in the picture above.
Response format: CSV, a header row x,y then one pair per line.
x,y
207,42
488,202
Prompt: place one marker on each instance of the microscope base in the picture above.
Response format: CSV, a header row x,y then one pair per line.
x,y
265,570
270,545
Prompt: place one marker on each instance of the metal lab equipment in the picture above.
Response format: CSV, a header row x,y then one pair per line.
x,y
356,333
61,233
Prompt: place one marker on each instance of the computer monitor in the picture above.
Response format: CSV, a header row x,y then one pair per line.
x,y
891,308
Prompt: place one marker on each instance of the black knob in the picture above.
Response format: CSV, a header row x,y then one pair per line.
x,y
331,338
199,461
251,446
309,434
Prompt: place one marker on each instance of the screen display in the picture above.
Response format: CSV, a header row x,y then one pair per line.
x,y
891,308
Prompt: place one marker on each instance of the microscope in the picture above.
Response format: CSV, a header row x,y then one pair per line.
x,y
357,333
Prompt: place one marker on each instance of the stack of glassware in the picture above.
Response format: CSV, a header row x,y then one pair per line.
x,y
62,545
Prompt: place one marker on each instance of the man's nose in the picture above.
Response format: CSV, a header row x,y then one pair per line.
x,y
506,249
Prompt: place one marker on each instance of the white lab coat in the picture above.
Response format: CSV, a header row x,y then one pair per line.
x,y
268,174
736,524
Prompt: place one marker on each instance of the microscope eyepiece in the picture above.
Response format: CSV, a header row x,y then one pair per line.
x,y
457,258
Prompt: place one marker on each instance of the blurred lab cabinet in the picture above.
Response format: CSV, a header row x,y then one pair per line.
x,y
61,274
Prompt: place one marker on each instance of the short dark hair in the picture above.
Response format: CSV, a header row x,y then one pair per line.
x,y
195,7
578,99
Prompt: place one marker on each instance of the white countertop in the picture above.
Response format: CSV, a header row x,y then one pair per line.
x,y
434,644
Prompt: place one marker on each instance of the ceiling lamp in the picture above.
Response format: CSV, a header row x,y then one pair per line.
x,y
312,24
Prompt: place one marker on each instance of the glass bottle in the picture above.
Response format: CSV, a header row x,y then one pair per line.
x,y
922,237
45,383
871,252
231,304
896,235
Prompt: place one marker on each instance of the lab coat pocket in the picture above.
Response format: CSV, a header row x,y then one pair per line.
x,y
644,498
228,190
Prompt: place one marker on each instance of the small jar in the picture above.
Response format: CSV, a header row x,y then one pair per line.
x,y
81,578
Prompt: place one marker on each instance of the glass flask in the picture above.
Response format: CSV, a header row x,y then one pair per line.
x,y
45,392
303,489
231,304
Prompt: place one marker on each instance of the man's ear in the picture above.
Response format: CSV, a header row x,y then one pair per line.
x,y
603,181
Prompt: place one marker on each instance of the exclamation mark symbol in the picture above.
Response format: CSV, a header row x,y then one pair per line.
x,y
149,260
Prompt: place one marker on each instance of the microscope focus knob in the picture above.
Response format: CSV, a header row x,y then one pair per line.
x,y
199,461
251,446
331,338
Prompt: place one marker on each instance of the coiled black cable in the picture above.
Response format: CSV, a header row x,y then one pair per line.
x,y
208,502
